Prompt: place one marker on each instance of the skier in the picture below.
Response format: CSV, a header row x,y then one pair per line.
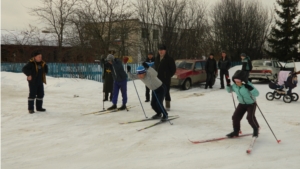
x,y
149,76
120,82
246,94
36,70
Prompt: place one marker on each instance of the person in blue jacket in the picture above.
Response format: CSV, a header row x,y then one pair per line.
x,y
120,82
246,95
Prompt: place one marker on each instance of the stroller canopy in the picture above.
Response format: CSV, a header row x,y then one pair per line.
x,y
282,77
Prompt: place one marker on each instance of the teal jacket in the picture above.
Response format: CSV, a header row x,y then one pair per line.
x,y
243,94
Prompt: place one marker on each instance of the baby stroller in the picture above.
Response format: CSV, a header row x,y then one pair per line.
x,y
286,80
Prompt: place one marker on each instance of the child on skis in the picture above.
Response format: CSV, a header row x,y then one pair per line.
x,y
246,94
149,76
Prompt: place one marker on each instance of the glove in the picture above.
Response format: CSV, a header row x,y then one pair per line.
x,y
146,66
228,82
248,87
128,68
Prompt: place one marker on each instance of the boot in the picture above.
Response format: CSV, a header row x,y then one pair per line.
x,y
123,107
105,97
168,105
164,118
255,132
112,107
156,116
205,86
39,104
31,111
147,100
31,104
235,133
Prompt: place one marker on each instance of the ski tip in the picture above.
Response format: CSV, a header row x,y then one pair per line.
x,y
248,151
278,141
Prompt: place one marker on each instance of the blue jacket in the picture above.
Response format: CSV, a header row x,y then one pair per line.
x,y
243,94
118,72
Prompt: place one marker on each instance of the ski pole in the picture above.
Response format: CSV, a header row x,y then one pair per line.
x,y
163,110
278,141
139,98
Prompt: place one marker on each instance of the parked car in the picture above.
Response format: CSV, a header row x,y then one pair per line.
x,y
268,69
264,69
189,72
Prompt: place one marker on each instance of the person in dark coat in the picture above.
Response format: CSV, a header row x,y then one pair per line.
x,y
150,61
120,82
36,70
224,65
211,70
246,64
108,81
166,68
291,82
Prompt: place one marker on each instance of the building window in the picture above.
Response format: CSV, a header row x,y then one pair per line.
x,y
144,33
155,34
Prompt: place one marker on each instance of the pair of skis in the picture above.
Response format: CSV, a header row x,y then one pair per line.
x,y
101,112
150,119
249,150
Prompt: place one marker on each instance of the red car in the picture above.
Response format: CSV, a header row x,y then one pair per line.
x,y
189,72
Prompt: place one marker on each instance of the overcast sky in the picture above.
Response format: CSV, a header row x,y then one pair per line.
x,y
15,13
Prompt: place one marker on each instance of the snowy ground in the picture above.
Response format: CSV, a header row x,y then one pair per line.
x,y
63,138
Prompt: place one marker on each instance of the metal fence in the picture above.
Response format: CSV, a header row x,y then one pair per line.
x,y
91,71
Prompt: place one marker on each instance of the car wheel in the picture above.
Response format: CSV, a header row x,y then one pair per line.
x,y
295,96
287,98
187,84
277,95
270,96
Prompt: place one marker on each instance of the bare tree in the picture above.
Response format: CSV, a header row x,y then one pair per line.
x,y
56,14
181,25
240,26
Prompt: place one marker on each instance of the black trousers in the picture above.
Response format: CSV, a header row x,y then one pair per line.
x,y
209,78
223,73
240,112
147,93
36,91
167,96
157,100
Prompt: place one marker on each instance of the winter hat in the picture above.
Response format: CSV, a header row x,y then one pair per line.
x,y
110,57
240,74
140,70
150,53
162,47
243,54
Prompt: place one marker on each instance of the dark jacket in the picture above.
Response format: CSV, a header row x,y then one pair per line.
x,y
246,64
108,78
165,68
211,66
224,64
32,69
118,72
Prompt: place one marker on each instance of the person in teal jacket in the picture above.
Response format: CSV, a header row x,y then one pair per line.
x,y
246,95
